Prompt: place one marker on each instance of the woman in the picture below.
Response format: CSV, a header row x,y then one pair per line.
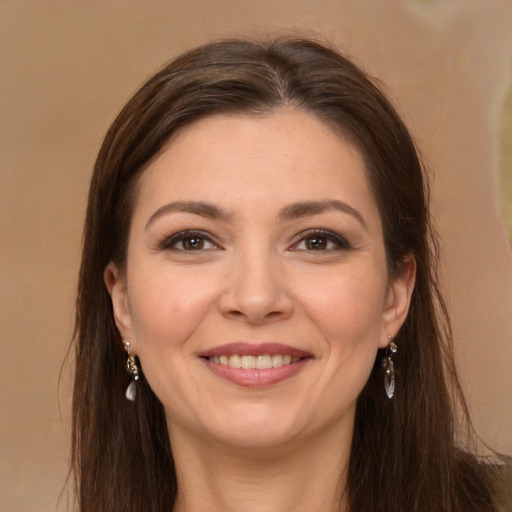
x,y
258,253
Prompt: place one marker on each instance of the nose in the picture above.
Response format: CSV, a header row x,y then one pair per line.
x,y
256,292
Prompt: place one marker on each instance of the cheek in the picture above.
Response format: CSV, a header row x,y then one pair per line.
x,y
167,307
348,307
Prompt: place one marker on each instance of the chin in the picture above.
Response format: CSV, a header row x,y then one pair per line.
x,y
264,439
246,427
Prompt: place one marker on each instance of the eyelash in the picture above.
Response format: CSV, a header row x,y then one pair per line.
x,y
340,243
170,242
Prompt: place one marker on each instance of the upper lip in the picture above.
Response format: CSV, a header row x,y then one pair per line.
x,y
243,348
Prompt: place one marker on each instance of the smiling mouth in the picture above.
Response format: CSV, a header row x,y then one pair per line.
x,y
261,362
256,365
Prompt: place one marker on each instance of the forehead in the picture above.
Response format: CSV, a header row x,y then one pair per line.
x,y
286,156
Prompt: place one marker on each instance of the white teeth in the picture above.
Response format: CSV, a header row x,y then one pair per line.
x,y
263,362
277,360
235,362
248,362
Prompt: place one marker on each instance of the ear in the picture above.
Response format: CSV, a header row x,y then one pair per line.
x,y
398,299
115,281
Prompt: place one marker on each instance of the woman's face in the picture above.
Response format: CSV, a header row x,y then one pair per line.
x,y
256,292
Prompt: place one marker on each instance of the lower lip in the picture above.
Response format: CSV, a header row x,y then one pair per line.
x,y
254,378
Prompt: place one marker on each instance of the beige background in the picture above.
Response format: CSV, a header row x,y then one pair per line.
x,y
66,68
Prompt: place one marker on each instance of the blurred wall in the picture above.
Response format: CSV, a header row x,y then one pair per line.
x,y
66,69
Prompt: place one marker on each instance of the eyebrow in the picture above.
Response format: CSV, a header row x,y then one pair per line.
x,y
290,212
196,207
310,208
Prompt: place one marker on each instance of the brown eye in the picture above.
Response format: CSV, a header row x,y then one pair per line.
x,y
192,243
316,243
321,241
186,241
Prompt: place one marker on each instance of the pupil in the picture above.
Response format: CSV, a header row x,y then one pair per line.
x,y
316,243
193,243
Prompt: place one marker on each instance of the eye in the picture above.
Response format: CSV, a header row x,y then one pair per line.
x,y
320,241
192,243
188,241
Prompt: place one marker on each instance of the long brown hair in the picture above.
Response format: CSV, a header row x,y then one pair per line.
x,y
404,454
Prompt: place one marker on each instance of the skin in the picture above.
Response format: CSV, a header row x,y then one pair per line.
x,y
257,277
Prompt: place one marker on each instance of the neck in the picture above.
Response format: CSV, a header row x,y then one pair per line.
x,y
305,476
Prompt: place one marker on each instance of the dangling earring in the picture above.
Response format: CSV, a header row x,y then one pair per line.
x,y
133,371
389,368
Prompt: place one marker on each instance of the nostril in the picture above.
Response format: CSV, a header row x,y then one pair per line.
x,y
235,313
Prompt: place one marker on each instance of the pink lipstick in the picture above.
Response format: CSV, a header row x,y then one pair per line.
x,y
255,364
